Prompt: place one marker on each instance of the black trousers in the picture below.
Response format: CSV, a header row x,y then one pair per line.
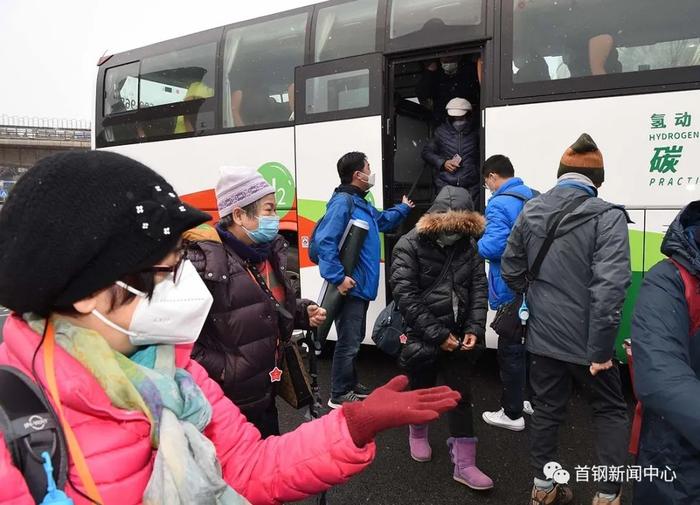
x,y
455,369
551,381
267,421
513,364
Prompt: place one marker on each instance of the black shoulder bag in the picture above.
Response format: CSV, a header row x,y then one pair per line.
x,y
507,322
389,328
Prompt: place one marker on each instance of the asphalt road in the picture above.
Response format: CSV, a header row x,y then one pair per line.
x,y
395,479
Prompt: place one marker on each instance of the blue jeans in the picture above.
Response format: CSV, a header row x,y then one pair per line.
x,y
512,363
350,326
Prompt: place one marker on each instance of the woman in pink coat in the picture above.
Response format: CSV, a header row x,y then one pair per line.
x,y
105,311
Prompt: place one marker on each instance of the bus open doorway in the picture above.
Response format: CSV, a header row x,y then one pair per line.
x,y
419,87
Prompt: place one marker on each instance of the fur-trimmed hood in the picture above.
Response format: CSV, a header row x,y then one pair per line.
x,y
452,212
464,222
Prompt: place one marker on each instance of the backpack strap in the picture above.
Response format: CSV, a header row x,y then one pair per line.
x,y
30,427
692,296
313,252
520,197
534,270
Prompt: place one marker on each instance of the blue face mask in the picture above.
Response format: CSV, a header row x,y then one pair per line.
x,y
268,227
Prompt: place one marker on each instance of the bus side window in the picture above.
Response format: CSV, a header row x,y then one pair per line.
x,y
259,62
569,39
346,29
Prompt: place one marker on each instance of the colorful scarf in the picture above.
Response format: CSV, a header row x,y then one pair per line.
x,y
186,469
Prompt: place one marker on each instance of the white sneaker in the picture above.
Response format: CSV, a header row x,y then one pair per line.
x,y
527,408
501,420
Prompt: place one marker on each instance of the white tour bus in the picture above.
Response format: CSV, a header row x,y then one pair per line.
x,y
291,92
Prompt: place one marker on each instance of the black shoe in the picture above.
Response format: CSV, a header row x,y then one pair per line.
x,y
337,402
361,390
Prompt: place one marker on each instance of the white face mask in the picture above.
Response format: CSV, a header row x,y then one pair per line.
x,y
370,179
175,314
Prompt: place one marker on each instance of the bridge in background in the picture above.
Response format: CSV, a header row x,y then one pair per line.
x,y
24,141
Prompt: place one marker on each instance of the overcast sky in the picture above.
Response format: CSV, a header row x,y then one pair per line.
x,y
49,48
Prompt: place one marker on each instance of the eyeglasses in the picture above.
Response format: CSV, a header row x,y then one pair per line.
x,y
175,269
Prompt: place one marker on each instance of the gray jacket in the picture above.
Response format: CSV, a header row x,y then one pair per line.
x,y
576,301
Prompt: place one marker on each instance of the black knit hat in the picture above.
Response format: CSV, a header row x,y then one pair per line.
x,y
78,221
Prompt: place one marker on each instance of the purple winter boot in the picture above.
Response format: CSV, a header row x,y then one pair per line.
x,y
463,455
418,442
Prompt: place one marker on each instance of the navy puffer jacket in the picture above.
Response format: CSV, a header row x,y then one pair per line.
x,y
667,371
446,142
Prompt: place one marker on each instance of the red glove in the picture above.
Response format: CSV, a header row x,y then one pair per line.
x,y
390,407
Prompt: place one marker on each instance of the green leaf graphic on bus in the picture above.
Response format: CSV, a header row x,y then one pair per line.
x,y
277,175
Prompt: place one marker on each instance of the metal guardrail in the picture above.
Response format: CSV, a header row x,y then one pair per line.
x,y
45,122
32,128
34,133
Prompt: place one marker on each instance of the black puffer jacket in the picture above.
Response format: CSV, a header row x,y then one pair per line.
x,y
417,262
239,339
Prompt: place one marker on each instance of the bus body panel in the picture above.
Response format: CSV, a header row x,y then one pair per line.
x,y
192,164
647,165
651,150
319,146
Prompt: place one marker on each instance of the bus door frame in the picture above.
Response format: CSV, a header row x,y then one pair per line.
x,y
389,119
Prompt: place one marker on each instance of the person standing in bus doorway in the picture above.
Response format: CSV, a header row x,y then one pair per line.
x,y
453,152
666,350
242,261
349,202
439,287
574,298
448,78
509,195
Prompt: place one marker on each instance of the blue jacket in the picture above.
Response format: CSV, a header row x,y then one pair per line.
x,y
667,371
501,213
330,232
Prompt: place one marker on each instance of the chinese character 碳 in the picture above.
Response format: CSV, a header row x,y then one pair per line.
x,y
683,119
658,121
582,473
665,159
600,473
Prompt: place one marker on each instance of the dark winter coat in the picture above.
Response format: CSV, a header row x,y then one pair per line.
x,y
667,371
417,262
446,142
576,301
238,343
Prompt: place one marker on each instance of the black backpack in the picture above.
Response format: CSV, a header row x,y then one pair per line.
x,y
313,247
30,427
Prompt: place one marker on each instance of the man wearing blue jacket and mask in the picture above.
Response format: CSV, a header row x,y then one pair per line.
x,y
509,195
348,202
